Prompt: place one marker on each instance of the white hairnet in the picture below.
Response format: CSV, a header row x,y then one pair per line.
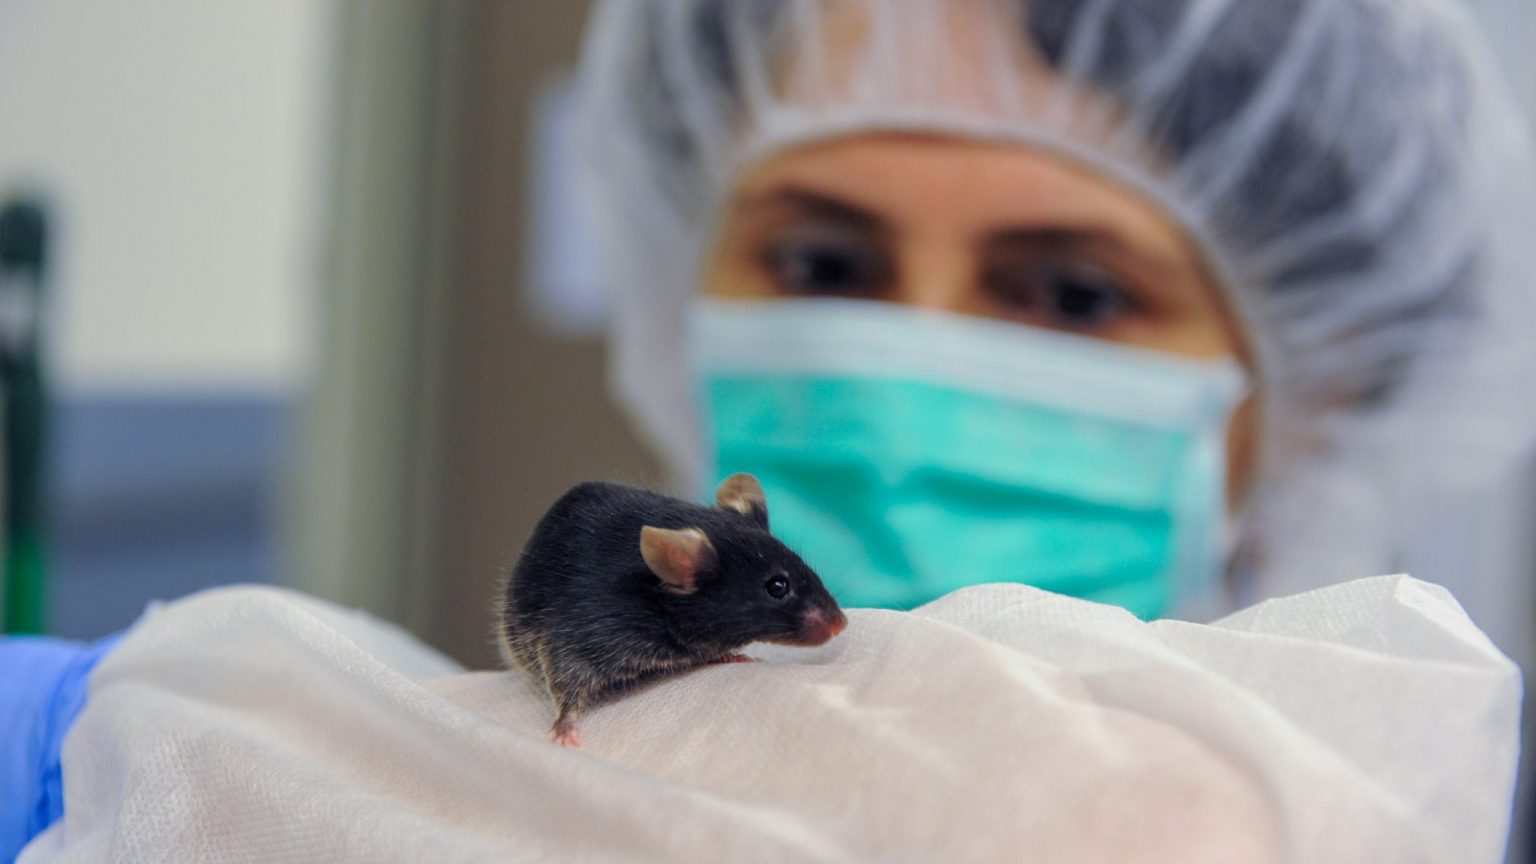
x,y
1353,172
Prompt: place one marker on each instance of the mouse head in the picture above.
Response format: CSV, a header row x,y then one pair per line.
x,y
731,582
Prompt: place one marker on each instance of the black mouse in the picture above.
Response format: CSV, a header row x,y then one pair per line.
x,y
620,586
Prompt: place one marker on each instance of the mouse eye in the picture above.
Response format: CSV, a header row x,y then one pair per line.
x,y
777,587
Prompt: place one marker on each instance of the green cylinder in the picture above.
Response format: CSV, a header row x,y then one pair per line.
x,y
23,252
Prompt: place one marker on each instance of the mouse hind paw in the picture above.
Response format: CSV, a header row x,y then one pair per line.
x,y
569,738
565,733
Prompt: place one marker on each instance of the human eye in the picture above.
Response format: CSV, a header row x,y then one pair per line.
x,y
826,260
1062,293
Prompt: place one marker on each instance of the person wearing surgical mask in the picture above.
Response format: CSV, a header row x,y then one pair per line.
x,y
1172,305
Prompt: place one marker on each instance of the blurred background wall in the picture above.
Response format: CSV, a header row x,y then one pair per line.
x,y
526,412
287,332
177,148
446,414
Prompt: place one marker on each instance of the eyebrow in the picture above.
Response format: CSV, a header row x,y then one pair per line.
x,y
1054,236
1057,237
817,204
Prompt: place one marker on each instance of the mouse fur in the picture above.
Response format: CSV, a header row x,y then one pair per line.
x,y
620,586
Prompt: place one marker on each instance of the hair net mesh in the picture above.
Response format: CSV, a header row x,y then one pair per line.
x,y
1353,172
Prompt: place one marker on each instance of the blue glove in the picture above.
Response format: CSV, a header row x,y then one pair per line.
x,y
42,689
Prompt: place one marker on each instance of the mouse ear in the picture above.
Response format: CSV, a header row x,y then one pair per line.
x,y
678,556
742,493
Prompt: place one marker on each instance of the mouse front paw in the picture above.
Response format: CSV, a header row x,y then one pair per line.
x,y
734,658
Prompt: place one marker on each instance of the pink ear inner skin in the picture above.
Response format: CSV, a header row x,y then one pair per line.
x,y
677,555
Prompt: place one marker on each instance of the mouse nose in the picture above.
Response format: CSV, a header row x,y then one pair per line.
x,y
818,627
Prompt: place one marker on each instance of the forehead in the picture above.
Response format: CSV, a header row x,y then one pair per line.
x,y
751,546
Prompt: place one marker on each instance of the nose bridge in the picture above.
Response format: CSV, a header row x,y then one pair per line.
x,y
935,271
825,607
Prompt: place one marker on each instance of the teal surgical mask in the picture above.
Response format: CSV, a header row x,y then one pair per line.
x,y
906,453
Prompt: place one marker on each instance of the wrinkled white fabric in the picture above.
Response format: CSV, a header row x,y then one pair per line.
x,y
1370,721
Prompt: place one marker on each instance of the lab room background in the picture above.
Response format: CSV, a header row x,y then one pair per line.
x,y
296,292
